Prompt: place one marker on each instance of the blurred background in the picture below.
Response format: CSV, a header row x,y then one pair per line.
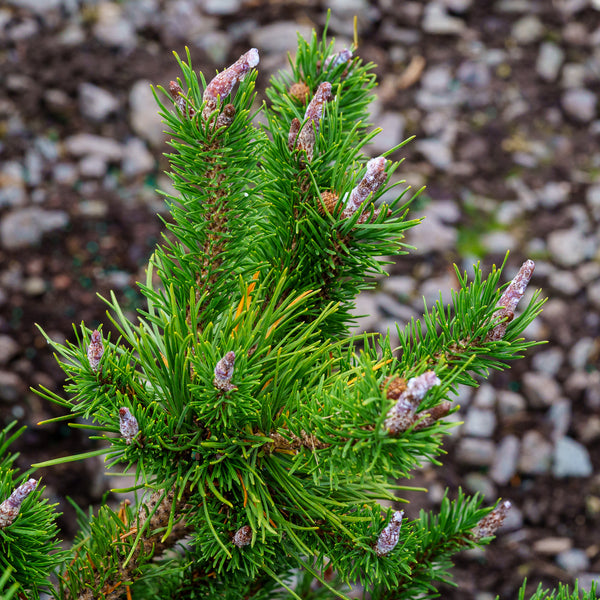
x,y
502,96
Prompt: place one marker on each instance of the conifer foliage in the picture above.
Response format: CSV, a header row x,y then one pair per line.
x,y
262,434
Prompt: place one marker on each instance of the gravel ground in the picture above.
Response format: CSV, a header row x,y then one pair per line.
x,y
502,96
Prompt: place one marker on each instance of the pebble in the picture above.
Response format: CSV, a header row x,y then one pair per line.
x,y
279,38
550,59
548,361
83,144
571,459
8,349
536,454
567,247
559,415
143,116
554,193
541,390
432,235
573,561
12,184
436,152
506,460
365,311
485,396
564,282
477,483
137,159
527,30
479,422
24,228
475,452
221,7
550,546
436,20
580,104
392,125
593,294
401,287
96,103
112,27
510,403
437,288
93,166
582,351
11,387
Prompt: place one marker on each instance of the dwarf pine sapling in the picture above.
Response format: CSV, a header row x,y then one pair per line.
x,y
261,432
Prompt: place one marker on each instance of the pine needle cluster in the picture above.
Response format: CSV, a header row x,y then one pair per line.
x,y
263,435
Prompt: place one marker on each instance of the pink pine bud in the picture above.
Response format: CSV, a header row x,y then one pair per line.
x,y
95,350
243,536
509,300
403,414
429,417
225,119
293,134
370,183
492,522
388,538
224,372
314,112
176,92
335,60
128,425
222,84
10,508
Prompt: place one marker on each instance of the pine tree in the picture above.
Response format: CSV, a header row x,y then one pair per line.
x,y
262,433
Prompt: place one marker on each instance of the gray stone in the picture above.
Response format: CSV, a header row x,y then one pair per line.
x,y
137,160
436,20
540,389
96,103
458,6
478,483
221,7
475,452
498,242
11,387
571,459
25,228
580,104
567,247
144,117
12,184
550,546
565,282
548,361
365,311
432,235
392,126
437,78
536,454
399,286
112,27
485,396
216,44
83,144
554,193
65,173
527,30
586,580
573,75
279,38
93,166
479,422
593,294
573,561
474,74
438,287
506,460
549,60
559,415
34,286
389,307
37,6
8,349
582,351
436,152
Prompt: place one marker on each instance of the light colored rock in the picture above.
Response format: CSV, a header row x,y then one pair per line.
x,y
527,30
392,126
571,459
478,483
554,193
366,312
580,104
573,561
475,452
550,59
96,103
548,361
536,454
540,389
143,116
432,235
549,546
559,415
83,144
11,387
436,152
436,20
485,396
506,460
593,294
8,349
137,159
438,287
581,352
565,282
24,228
112,27
12,184
221,7
567,247
280,37
479,422
399,286
93,166
510,403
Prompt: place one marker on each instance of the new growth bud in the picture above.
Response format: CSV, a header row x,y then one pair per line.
x,y
95,350
223,83
492,522
370,183
128,425
10,508
335,60
243,536
509,300
429,417
224,373
388,538
306,138
176,92
403,414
